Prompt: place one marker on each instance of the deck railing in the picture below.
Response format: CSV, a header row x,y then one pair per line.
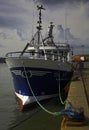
x,y
36,55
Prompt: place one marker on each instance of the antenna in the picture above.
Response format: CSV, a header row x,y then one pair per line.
x,y
51,30
40,8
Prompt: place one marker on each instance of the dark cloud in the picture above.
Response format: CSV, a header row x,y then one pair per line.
x,y
54,2
9,22
14,13
11,15
60,3
12,23
10,7
10,11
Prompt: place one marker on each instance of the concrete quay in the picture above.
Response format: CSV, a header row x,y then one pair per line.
x,y
79,97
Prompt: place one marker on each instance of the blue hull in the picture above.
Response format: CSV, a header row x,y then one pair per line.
x,y
42,81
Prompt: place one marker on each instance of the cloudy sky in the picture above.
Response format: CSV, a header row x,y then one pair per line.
x,y
18,20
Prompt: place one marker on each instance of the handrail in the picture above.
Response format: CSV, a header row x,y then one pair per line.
x,y
32,55
19,52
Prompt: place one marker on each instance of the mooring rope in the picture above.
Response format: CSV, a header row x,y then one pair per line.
x,y
66,101
50,112
61,100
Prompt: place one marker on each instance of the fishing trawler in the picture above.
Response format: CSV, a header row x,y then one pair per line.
x,y
41,68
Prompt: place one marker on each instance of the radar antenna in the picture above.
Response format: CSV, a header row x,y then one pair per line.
x,y
51,30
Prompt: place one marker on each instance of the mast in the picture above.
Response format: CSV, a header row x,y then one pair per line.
x,y
39,27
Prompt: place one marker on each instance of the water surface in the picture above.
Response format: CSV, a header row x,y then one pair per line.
x,y
34,119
